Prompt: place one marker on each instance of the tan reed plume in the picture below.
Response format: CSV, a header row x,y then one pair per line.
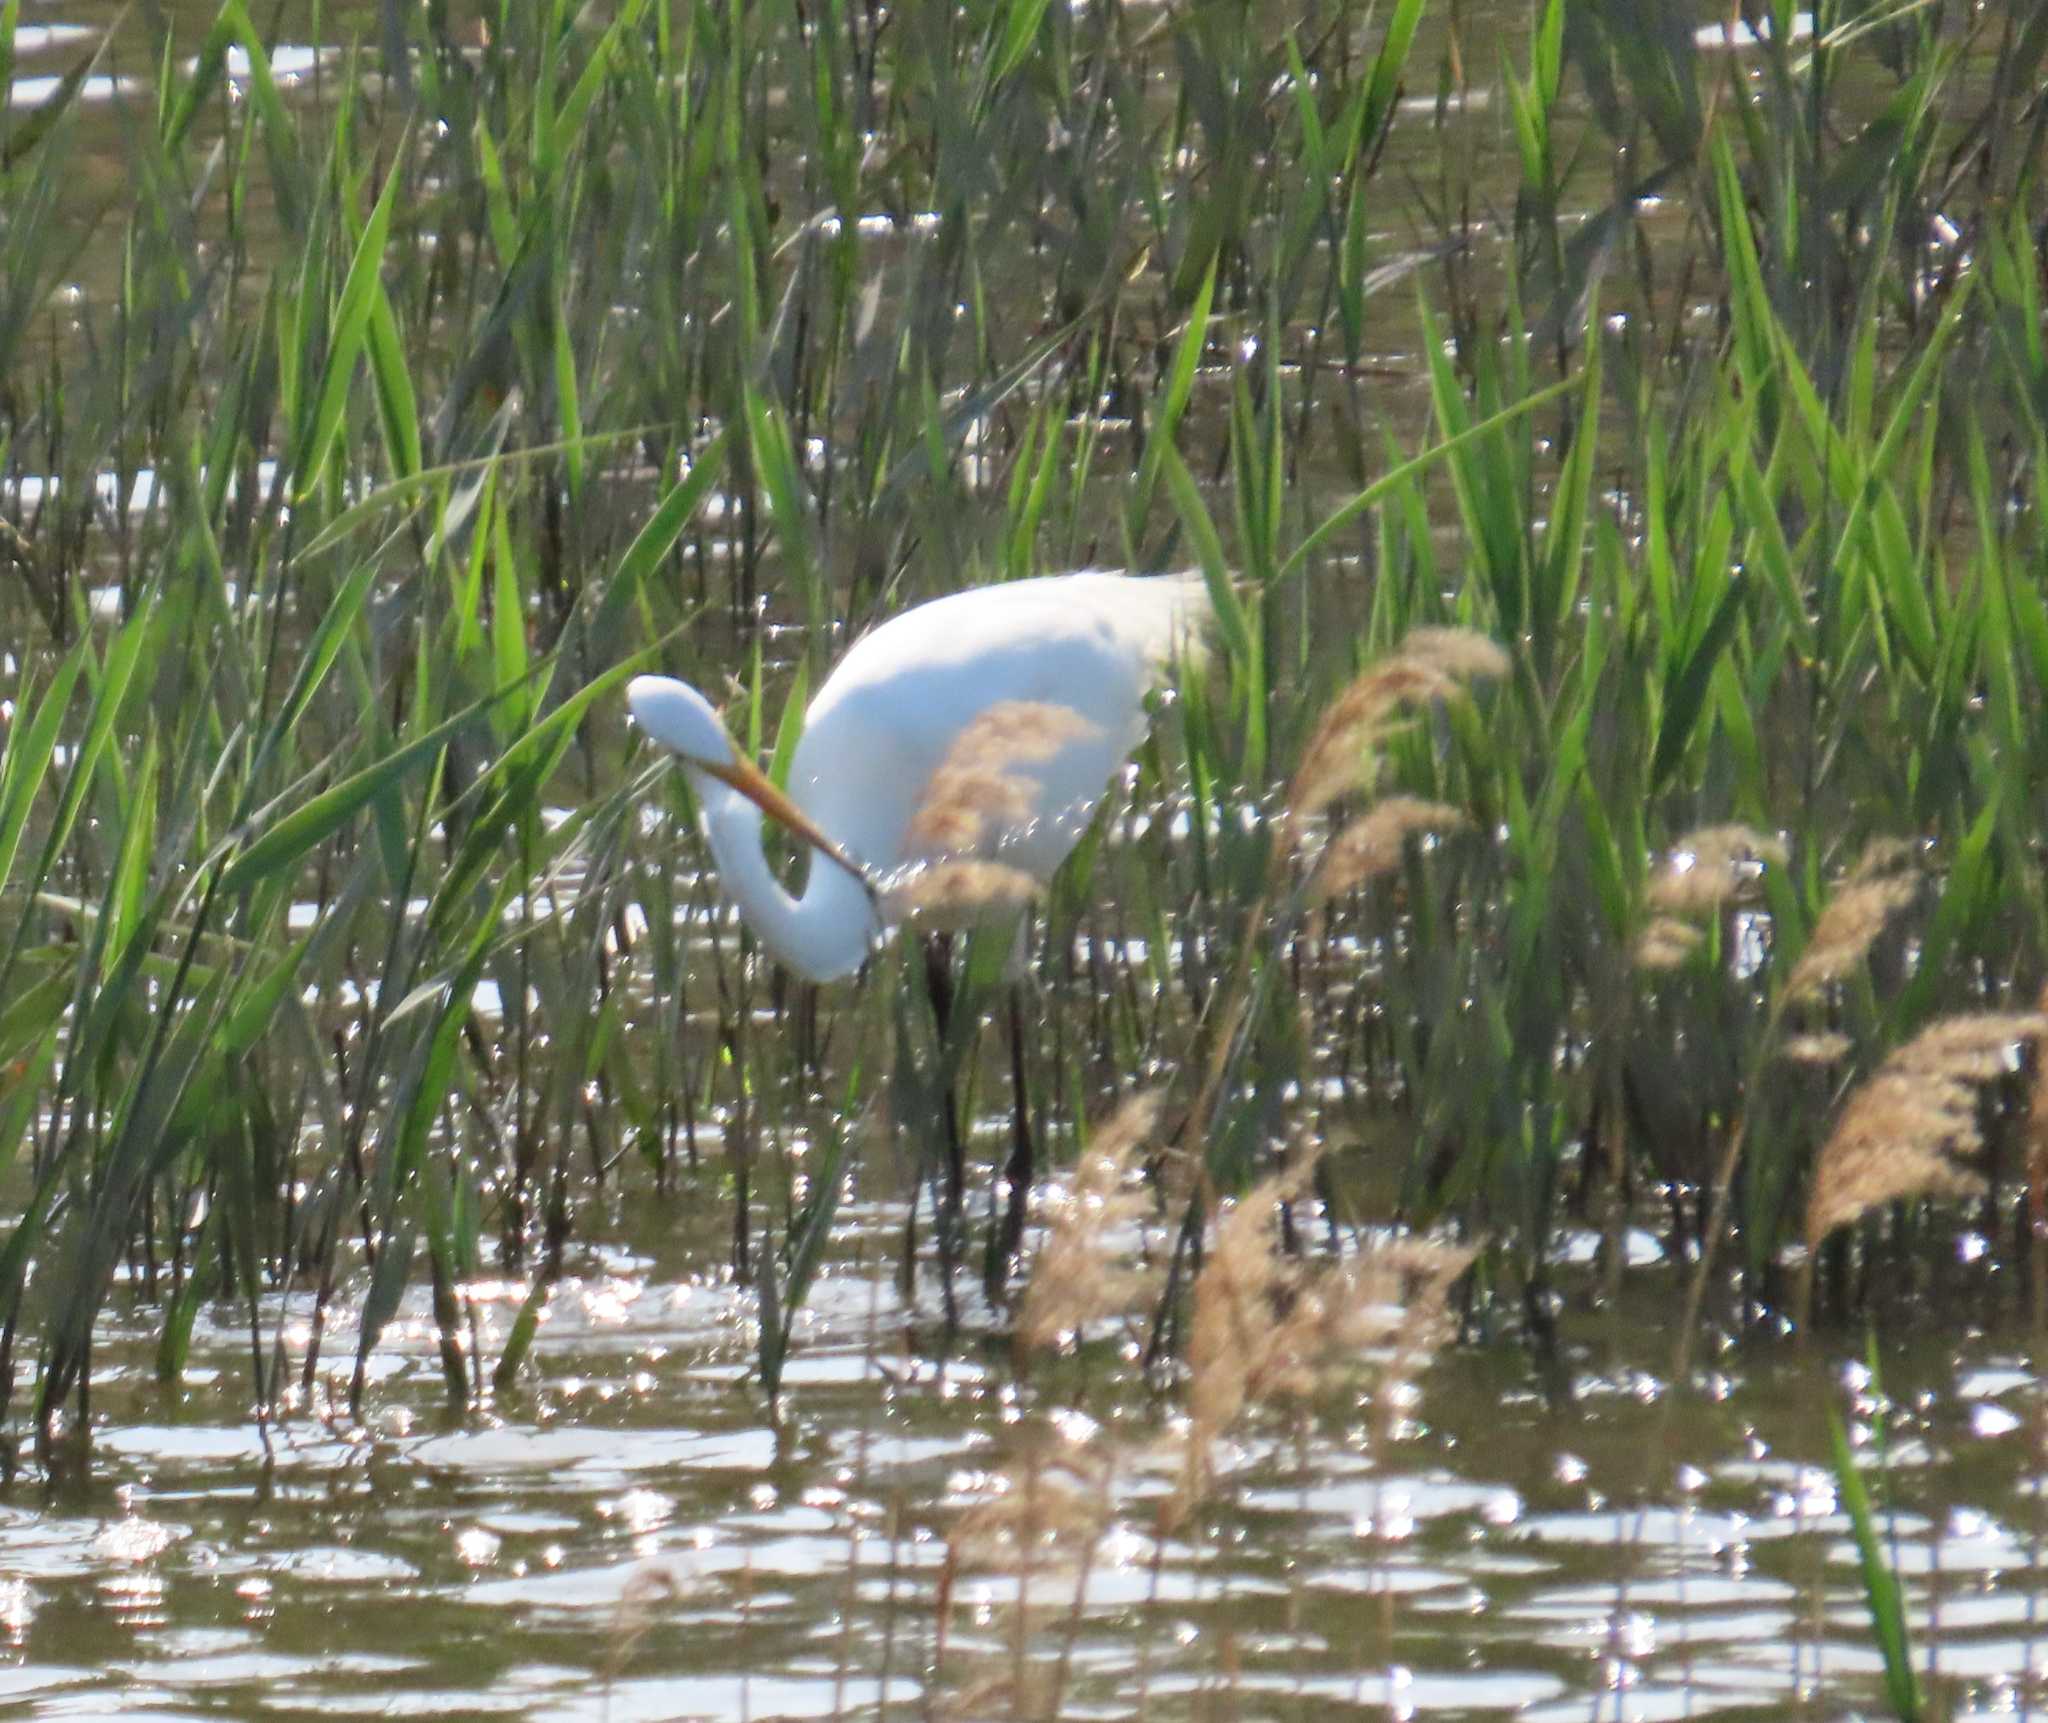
x,y
1371,844
1704,870
647,1586
1822,1047
1666,943
1721,861
1046,1505
1463,654
1711,866
1429,664
1040,1517
1236,1302
1861,908
977,786
1909,1129
953,891
1267,1327
1075,1280
979,791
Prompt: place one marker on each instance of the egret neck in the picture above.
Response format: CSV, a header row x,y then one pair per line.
x,y
826,933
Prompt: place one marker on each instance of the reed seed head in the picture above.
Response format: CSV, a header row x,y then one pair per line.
x,y
1041,1517
953,892
1823,1048
1076,1280
647,1588
1039,1512
1905,1132
1429,664
1711,866
1371,844
1666,943
1266,1326
1462,653
1858,912
1236,1301
978,791
1883,856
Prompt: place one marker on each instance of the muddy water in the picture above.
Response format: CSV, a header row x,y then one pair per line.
x,y
630,1537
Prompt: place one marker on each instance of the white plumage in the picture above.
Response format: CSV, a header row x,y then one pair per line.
x,y
885,721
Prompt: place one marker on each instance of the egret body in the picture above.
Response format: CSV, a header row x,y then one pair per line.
x,y
884,722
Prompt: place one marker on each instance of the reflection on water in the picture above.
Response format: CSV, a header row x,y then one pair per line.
x,y
630,1539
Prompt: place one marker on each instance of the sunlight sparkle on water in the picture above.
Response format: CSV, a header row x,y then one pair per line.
x,y
476,1547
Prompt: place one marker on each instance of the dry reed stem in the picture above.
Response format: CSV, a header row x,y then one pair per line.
x,y
977,793
1902,1133
2037,1180
1429,664
1042,1515
1267,1327
1371,844
1074,1281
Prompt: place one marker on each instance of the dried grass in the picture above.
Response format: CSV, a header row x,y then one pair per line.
x,y
1905,1132
977,793
957,891
1461,653
1704,871
1861,908
1666,943
1429,664
1267,1327
1371,845
1884,856
1822,1048
1041,1517
1075,1280
1708,868
647,1588
1041,1513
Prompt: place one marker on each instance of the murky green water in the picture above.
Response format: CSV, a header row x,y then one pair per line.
x,y
630,1537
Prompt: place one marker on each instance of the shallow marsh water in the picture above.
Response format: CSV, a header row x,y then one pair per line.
x,y
628,1535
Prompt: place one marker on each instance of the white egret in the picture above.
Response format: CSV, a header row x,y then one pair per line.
x,y
1091,644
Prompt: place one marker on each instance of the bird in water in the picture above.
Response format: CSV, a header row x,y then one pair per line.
x,y
1081,649
987,722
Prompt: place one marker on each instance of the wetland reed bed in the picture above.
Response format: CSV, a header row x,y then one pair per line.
x,y
1613,449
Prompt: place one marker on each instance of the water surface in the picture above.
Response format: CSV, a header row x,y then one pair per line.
x,y
628,1536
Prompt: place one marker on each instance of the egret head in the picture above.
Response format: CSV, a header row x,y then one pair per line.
x,y
678,717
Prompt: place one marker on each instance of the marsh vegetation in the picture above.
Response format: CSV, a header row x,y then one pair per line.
x,y
1594,878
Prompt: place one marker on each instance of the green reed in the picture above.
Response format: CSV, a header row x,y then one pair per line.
x,y
350,949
